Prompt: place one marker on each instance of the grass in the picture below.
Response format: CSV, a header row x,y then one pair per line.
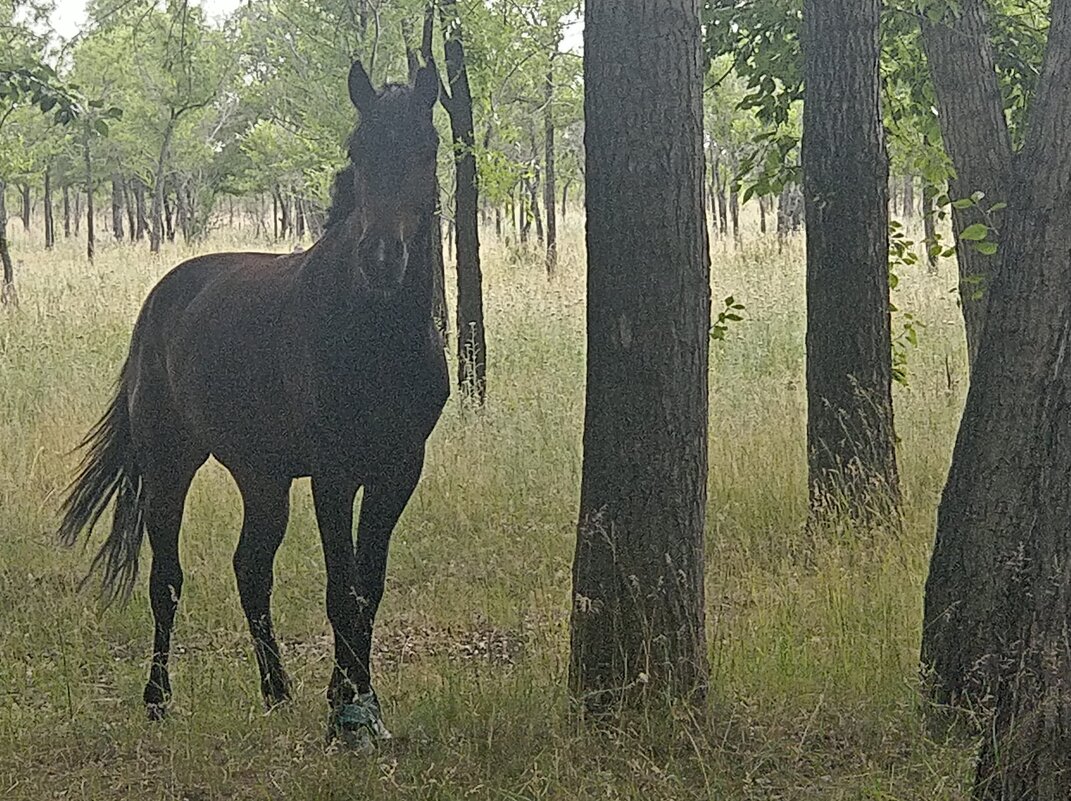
x,y
813,635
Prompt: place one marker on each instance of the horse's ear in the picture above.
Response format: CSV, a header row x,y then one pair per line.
x,y
426,84
362,93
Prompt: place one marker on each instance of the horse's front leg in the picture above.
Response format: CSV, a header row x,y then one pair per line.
x,y
355,586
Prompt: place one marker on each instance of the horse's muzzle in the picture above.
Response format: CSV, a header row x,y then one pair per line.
x,y
383,262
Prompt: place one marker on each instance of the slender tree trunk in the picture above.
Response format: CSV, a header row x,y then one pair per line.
x,y
156,235
637,613
27,206
909,197
7,287
91,244
299,217
977,139
763,202
140,220
929,227
565,198
275,214
66,212
128,204
77,213
471,342
549,175
719,197
851,442
734,208
1005,508
117,208
50,222
537,213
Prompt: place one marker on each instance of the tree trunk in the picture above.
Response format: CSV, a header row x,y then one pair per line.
x,y
169,217
27,206
50,222
471,343
975,131
637,630
960,638
66,212
91,244
719,196
550,188
117,208
125,196
7,286
929,227
909,197
763,201
537,213
1005,508
851,442
299,217
141,222
156,235
734,207
77,213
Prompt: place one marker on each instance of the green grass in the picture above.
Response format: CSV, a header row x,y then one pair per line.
x,y
813,635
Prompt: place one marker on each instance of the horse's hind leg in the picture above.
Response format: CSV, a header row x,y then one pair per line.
x,y
267,507
165,492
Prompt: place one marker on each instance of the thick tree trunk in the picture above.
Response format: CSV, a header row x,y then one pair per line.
x,y
851,442
66,212
117,208
50,221
91,244
7,285
960,637
977,139
471,342
637,612
1005,508
550,188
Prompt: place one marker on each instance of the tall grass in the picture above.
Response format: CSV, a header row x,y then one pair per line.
x,y
813,635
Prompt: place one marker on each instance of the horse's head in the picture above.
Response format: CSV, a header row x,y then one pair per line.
x,y
393,156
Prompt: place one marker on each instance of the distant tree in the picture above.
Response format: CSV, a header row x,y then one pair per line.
x,y
637,613
851,442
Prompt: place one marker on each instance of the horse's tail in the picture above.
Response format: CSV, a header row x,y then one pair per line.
x,y
109,470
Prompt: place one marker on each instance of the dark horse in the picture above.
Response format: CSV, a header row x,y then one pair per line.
x,y
324,364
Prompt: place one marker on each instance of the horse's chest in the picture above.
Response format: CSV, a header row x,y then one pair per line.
x,y
368,407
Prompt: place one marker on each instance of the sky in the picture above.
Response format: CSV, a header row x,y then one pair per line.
x,y
70,15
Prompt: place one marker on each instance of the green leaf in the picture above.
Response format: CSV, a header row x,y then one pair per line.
x,y
986,248
964,203
975,233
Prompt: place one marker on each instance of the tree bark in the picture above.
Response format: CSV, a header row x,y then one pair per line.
x,y
66,212
1005,508
550,189
7,286
929,227
77,213
471,342
140,221
908,207
156,234
50,222
27,206
967,582
117,208
977,139
126,196
637,630
851,442
91,244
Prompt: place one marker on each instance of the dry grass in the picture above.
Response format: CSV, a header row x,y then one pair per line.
x,y
813,635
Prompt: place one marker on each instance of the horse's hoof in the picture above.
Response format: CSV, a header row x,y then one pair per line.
x,y
358,725
156,711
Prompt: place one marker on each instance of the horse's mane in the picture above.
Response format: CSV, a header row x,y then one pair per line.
x,y
343,193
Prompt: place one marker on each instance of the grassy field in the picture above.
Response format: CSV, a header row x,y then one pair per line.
x,y
813,635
